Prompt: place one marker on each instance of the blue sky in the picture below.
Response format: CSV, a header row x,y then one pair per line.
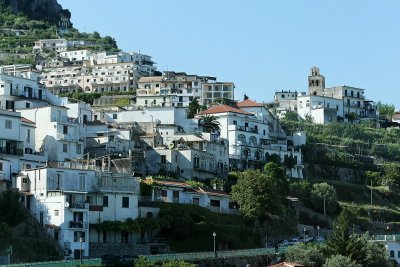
x,y
262,46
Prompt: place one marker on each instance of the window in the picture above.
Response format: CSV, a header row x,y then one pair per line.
x,y
65,148
78,235
65,129
28,135
175,194
391,254
105,201
1,166
163,159
125,202
115,116
124,237
215,203
82,182
196,201
78,149
56,212
8,124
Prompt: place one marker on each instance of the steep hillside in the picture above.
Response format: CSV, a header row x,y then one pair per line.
x,y
48,10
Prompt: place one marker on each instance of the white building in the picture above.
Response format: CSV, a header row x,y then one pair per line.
x,y
17,145
215,91
321,109
183,193
254,135
57,199
57,135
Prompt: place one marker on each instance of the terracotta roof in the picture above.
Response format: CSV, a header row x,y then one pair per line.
x,y
27,121
224,109
248,103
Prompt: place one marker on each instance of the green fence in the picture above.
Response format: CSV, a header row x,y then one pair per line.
x,y
395,237
57,263
220,254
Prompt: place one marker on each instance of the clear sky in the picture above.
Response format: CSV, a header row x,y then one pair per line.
x,y
260,45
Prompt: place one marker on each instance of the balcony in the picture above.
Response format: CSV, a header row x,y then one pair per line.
x,y
78,225
79,206
246,129
11,147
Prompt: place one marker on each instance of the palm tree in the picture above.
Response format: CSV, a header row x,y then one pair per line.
x,y
210,123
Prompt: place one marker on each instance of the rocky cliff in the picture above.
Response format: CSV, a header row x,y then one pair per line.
x,y
48,10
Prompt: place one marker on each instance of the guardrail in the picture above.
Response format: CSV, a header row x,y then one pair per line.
x,y
219,254
71,263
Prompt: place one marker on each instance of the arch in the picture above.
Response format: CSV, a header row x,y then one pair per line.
x,y
203,162
211,164
196,161
253,140
246,153
242,138
258,155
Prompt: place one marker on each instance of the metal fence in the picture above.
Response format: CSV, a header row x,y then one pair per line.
x,y
70,263
219,254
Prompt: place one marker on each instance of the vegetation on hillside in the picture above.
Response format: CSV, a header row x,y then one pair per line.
x,y
343,248
18,48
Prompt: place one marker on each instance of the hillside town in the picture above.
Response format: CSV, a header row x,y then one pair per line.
x,y
94,141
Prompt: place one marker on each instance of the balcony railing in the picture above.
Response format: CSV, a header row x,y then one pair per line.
x,y
78,224
79,205
67,137
11,151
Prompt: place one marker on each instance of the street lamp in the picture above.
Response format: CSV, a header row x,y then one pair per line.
x,y
318,232
215,252
80,241
304,234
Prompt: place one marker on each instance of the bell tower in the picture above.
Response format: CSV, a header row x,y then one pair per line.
x,y
316,82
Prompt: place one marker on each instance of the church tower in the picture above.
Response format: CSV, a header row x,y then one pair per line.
x,y
316,82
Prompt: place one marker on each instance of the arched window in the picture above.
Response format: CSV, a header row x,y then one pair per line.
x,y
266,156
242,138
246,153
196,161
391,254
253,140
203,163
211,164
258,155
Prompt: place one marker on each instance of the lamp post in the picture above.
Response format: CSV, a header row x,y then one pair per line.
x,y
318,232
304,234
80,241
215,252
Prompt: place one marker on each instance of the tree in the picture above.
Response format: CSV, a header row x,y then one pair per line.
x,y
210,123
143,262
291,116
386,110
340,261
194,108
178,264
323,196
6,236
10,209
342,242
308,255
259,194
352,116
274,158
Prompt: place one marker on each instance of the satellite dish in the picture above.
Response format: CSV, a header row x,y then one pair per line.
x,y
66,204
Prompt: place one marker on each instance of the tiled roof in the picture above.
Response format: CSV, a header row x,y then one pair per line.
x,y
287,264
223,109
26,120
248,103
